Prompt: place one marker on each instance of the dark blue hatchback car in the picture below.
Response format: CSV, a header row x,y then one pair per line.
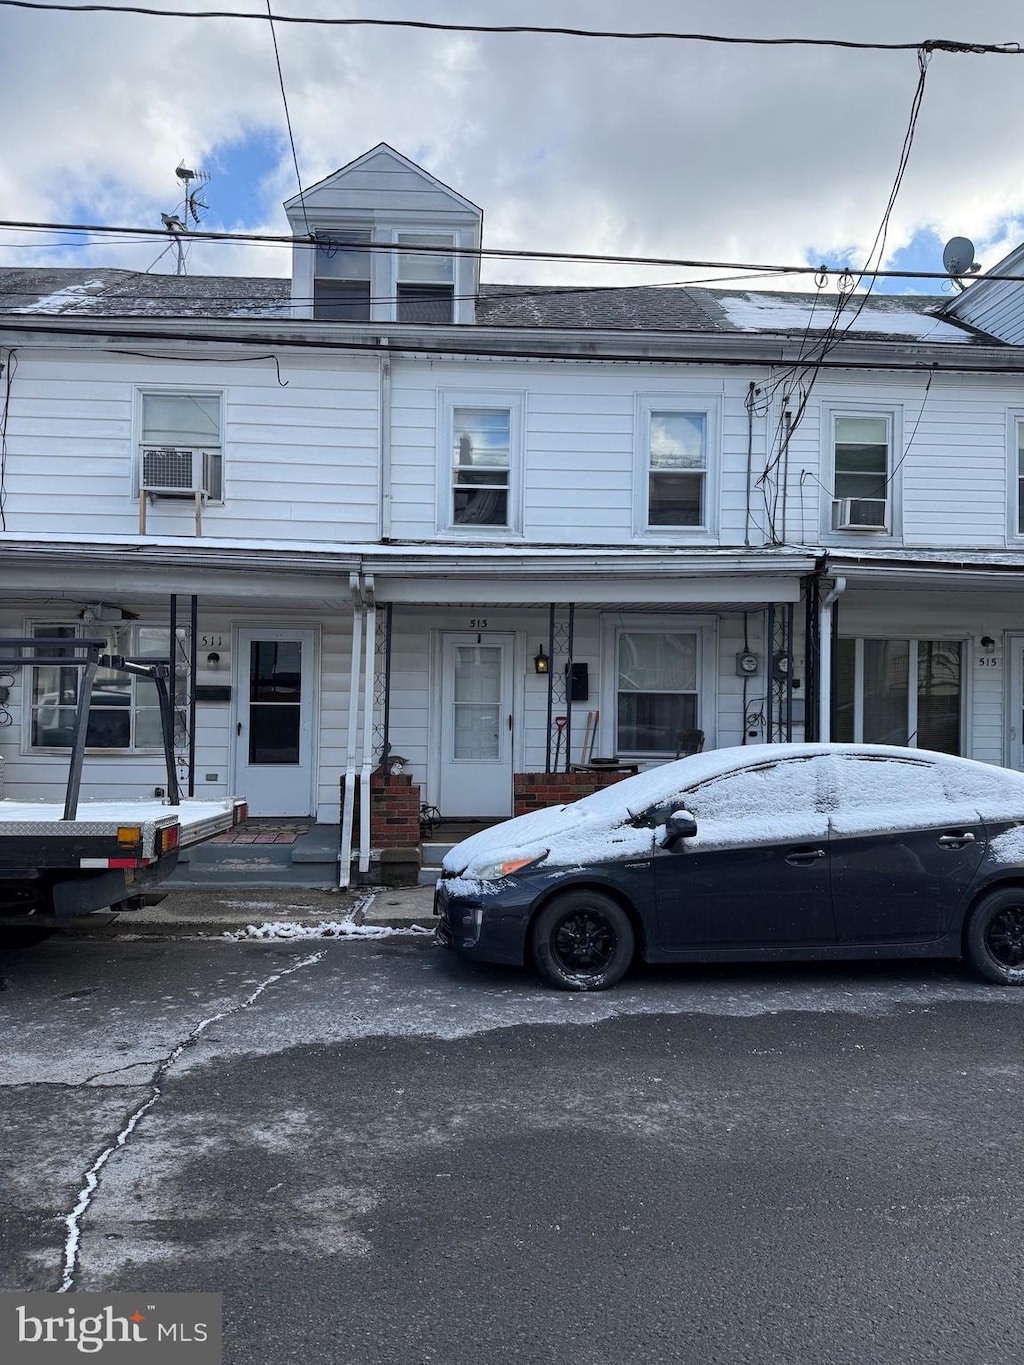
x,y
783,852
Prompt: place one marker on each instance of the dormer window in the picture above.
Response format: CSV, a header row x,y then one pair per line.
x,y
383,241
425,280
341,286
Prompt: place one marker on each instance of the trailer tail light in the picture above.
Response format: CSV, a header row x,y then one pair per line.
x,y
128,836
241,813
168,838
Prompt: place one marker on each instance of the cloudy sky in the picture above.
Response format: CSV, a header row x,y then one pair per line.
x,y
644,148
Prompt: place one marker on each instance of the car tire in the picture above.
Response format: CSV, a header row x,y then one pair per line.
x,y
994,942
582,941
16,937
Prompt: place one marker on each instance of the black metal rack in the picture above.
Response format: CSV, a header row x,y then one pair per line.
x,y
85,654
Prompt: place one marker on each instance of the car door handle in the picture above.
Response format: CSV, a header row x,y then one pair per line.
x,y
956,840
804,855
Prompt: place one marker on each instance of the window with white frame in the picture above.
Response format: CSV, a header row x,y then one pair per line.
x,y
180,442
481,466
899,691
124,714
342,273
656,690
861,464
677,453
479,462
424,280
1019,481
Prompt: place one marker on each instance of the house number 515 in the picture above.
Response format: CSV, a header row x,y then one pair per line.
x,y
988,661
478,623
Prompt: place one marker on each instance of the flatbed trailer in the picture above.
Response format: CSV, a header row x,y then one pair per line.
x,y
59,860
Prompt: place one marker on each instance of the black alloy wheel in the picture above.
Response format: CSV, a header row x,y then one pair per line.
x,y
582,941
994,942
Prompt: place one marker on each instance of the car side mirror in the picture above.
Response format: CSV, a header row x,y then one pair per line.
x,y
679,825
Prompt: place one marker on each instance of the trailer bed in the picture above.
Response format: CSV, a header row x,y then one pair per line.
x,y
197,820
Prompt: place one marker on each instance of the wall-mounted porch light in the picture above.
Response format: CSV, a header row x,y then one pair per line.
x,y
541,661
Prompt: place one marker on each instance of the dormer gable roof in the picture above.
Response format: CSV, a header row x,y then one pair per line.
x,y
994,306
381,180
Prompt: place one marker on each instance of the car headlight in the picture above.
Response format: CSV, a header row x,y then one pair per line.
x,y
490,872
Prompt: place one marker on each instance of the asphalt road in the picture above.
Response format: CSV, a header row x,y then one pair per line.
x,y
380,1154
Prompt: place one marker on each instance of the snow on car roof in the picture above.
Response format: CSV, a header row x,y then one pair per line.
x,y
595,828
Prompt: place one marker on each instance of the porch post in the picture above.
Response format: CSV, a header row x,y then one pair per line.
x,y
825,660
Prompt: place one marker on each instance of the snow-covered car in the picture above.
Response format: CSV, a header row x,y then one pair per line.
x,y
781,852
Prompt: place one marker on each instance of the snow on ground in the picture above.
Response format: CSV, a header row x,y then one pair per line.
x,y
327,929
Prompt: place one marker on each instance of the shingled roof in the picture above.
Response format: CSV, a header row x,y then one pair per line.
x,y
108,293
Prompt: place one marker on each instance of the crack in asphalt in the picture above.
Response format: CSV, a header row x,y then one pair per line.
x,y
87,1193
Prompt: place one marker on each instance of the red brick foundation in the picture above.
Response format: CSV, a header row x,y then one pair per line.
x,y
533,791
394,811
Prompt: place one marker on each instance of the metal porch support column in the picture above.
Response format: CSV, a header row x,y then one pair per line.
x,y
348,803
811,652
551,687
386,700
769,690
367,763
193,654
568,686
789,672
85,683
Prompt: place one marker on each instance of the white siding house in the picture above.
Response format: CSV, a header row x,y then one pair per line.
x,y
391,495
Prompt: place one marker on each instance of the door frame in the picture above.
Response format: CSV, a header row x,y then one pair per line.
x,y
240,674
435,711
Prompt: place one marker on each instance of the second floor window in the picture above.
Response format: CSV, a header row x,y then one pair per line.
x,y
180,443
1020,476
481,453
677,466
861,450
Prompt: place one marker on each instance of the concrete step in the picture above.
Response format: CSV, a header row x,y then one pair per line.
x,y
433,853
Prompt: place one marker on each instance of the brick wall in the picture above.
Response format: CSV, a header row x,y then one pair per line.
x,y
532,791
394,811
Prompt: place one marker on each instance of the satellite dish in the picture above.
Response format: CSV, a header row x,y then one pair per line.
x,y
958,257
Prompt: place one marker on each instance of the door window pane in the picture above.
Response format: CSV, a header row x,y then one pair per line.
x,y
275,700
476,727
843,718
886,667
938,695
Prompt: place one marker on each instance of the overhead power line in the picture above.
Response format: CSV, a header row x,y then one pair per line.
x,y
955,45
500,253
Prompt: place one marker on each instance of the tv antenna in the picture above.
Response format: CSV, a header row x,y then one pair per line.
x,y
958,260
188,212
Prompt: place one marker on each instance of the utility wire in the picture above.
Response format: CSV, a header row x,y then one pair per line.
x,y
504,253
288,119
927,44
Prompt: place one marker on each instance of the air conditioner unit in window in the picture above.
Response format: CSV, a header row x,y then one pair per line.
x,y
862,514
171,472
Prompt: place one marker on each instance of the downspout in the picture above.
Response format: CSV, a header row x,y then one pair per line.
x,y
825,660
348,802
384,423
364,772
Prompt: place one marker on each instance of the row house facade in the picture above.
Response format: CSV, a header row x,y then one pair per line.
x,y
380,514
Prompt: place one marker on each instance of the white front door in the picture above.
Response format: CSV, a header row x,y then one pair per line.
x,y
476,725
275,686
